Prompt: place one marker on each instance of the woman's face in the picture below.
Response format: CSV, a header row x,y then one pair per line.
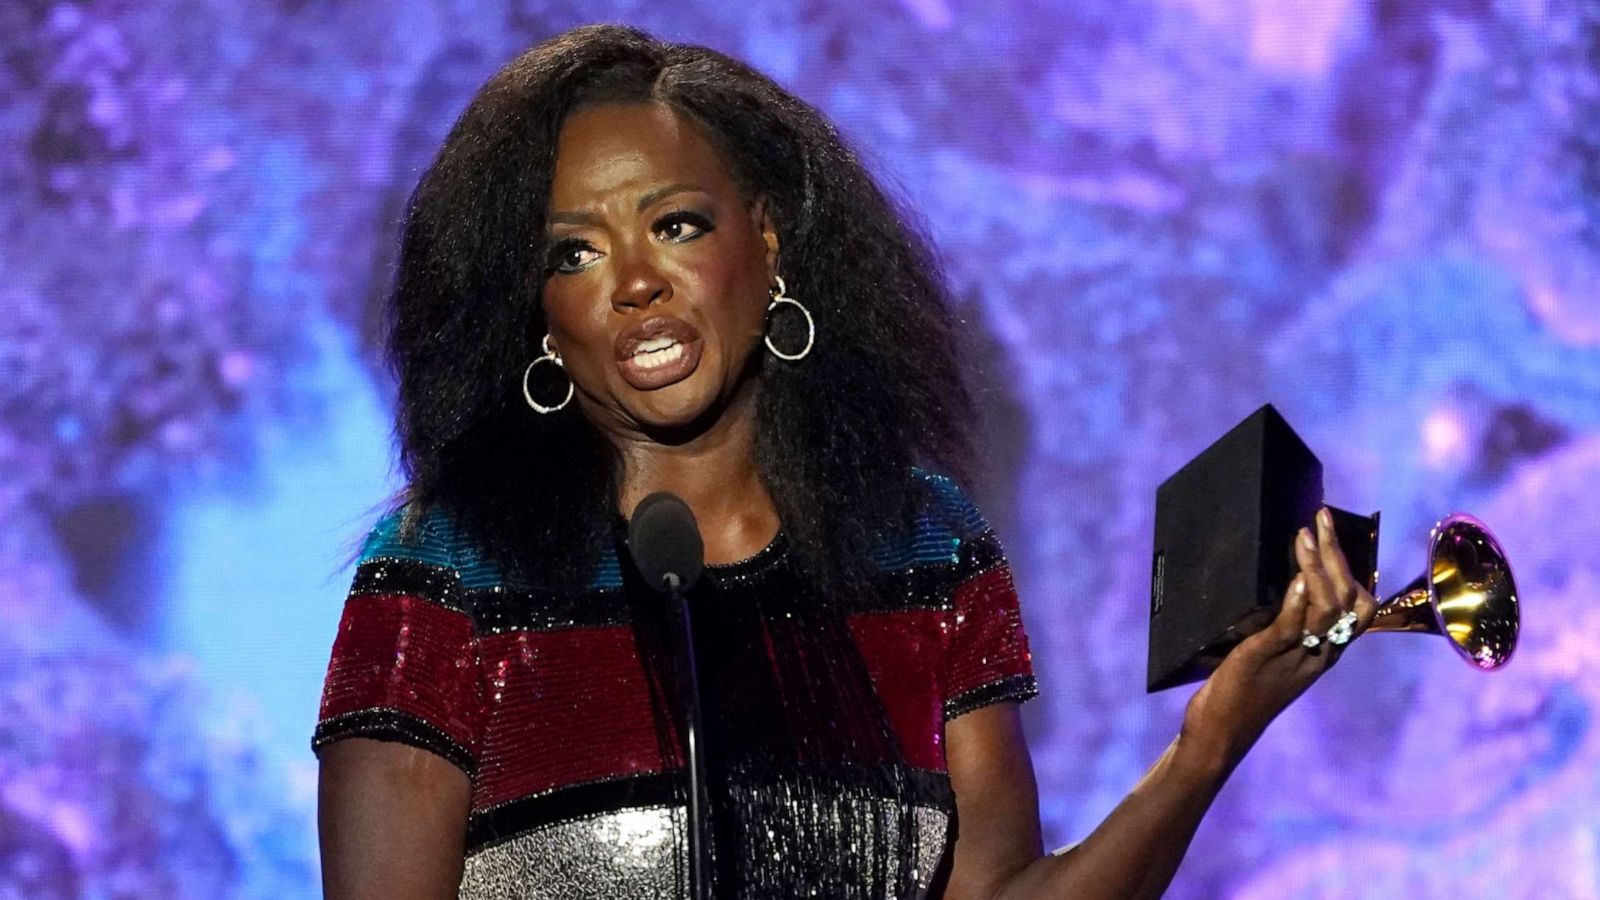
x,y
656,280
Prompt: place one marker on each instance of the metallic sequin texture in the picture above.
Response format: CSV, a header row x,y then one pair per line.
x,y
633,854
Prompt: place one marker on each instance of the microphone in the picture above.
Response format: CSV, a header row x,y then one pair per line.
x,y
664,540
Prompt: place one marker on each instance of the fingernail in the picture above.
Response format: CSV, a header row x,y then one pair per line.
x,y
1306,540
1299,585
1325,518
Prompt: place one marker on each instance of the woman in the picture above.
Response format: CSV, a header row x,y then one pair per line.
x,y
638,266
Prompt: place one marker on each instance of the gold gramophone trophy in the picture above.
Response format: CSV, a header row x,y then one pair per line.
x,y
1465,594
1225,526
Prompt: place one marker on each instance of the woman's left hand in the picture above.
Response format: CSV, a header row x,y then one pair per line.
x,y
1268,670
1136,850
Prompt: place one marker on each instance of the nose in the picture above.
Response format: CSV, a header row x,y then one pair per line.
x,y
640,287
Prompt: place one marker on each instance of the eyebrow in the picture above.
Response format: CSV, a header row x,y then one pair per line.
x,y
646,200
649,198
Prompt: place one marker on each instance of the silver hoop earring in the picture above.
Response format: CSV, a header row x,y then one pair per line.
x,y
778,298
549,356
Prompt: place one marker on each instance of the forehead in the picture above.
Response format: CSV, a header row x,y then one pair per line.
x,y
614,152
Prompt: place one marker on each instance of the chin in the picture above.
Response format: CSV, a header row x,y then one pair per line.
x,y
680,407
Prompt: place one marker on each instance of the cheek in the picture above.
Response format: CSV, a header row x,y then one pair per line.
x,y
734,292
569,310
576,322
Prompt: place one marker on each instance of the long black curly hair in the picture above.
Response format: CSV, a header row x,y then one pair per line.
x,y
838,433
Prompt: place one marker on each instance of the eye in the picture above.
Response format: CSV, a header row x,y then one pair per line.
x,y
683,225
569,256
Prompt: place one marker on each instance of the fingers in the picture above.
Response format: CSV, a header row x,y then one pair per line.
x,y
1322,601
1291,619
1352,594
1337,568
1323,592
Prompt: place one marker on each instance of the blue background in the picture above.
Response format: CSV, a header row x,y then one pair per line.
x,y
1158,215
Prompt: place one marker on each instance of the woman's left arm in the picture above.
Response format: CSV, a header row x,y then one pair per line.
x,y
1136,851
999,854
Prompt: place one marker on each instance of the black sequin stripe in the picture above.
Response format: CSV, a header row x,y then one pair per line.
x,y
413,578
979,554
931,585
393,725
1016,687
514,609
919,586
518,817
498,611
508,820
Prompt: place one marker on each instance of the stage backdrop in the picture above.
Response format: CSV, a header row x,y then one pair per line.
x,y
1158,215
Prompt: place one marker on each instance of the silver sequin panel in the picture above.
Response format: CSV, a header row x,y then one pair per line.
x,y
633,854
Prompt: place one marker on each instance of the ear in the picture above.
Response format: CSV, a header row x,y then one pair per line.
x,y
761,217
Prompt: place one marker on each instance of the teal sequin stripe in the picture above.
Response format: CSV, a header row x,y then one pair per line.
x,y
950,503
945,520
432,540
436,540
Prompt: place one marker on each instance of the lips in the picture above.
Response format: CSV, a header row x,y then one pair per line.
x,y
658,352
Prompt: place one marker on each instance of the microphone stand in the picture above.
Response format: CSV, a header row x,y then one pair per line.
x,y
689,693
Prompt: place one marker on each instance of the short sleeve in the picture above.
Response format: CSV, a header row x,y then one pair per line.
x,y
404,665
987,659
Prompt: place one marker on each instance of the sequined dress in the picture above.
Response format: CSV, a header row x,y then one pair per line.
x,y
825,716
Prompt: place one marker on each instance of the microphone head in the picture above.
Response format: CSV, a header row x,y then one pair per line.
x,y
665,539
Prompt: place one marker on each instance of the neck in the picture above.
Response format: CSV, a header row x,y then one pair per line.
x,y
714,471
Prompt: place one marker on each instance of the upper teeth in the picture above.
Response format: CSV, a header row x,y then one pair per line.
x,y
657,352
653,345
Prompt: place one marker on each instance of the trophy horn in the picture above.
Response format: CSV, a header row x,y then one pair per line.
x,y
1466,594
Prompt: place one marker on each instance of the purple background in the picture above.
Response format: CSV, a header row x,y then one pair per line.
x,y
1382,217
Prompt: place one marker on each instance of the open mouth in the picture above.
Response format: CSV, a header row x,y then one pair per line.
x,y
657,352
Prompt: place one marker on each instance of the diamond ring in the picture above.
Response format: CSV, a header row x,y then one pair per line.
x,y
1342,630
1310,641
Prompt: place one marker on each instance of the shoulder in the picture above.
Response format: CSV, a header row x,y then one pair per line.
x,y
941,527
431,547
411,533
944,505
425,548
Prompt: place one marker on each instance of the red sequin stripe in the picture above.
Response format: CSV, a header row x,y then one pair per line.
x,y
987,642
564,707
902,650
405,654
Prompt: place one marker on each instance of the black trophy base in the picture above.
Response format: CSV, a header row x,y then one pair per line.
x,y
1224,545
